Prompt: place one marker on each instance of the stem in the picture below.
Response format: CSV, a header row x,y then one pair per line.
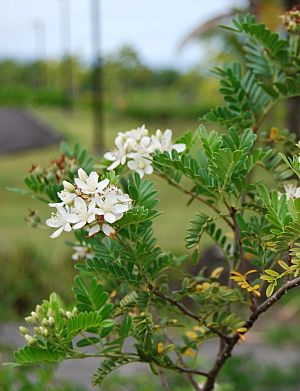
x,y
197,197
191,371
188,313
238,239
225,353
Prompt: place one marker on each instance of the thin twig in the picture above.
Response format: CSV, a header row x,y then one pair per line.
x,y
191,371
181,361
197,197
188,313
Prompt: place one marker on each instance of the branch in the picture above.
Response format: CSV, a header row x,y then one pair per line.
x,y
272,300
225,353
197,197
191,371
188,313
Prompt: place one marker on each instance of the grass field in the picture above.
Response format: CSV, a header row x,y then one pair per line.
x,y
170,226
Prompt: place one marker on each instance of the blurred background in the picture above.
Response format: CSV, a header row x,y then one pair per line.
x,y
79,72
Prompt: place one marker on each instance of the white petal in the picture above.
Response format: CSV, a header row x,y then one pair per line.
x,y
114,165
72,218
109,217
179,147
53,222
67,227
57,233
101,185
107,229
148,169
167,135
82,175
132,165
94,177
79,225
120,208
110,156
118,215
80,183
91,218
80,204
94,230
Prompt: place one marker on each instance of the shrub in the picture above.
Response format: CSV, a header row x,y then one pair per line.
x,y
122,289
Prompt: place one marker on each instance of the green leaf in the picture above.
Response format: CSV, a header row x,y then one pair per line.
x,y
270,289
125,326
34,355
82,322
87,341
195,232
91,297
108,366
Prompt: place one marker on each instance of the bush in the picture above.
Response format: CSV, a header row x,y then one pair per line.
x,y
123,291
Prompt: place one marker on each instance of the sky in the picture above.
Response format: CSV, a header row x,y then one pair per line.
x,y
153,27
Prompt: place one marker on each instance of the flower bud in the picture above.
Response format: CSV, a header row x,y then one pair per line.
x,y
44,331
51,321
45,322
31,341
35,316
69,187
39,310
29,319
68,314
23,330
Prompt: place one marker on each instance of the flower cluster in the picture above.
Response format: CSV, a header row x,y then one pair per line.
x,y
44,320
136,146
88,203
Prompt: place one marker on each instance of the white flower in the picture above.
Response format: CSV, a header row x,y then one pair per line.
x,y
163,142
85,213
61,220
291,191
112,205
81,252
136,147
89,184
141,164
119,155
135,134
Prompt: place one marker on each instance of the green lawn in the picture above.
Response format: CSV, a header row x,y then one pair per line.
x,y
170,226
